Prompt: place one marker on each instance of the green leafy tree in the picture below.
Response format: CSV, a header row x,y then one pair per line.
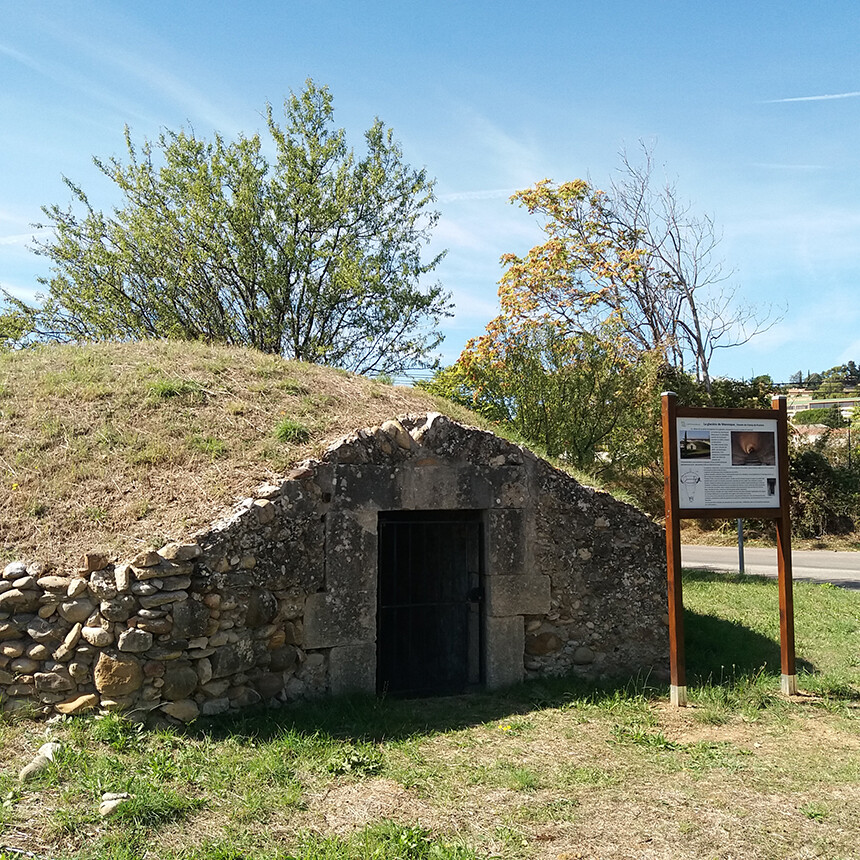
x,y
635,256
576,395
811,416
825,496
15,320
316,255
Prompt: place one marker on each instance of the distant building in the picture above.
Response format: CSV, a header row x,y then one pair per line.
x,y
801,399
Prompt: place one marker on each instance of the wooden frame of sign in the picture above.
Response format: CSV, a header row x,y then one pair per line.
x,y
730,463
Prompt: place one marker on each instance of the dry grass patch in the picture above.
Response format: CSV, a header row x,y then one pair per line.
x,y
115,446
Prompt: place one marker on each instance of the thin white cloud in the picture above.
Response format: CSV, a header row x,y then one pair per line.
x,y
767,165
850,353
149,65
22,238
852,95
22,58
25,294
493,194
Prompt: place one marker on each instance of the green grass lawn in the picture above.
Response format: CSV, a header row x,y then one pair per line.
x,y
553,770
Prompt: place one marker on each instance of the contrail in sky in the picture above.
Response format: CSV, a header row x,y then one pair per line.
x,y
814,98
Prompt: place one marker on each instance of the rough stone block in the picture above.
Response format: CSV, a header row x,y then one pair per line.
x,y
351,552
430,487
518,595
505,646
365,486
506,542
345,618
352,669
190,618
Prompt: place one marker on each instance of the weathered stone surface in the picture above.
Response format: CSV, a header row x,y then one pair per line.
x,y
24,665
262,608
103,584
12,648
214,706
34,768
8,630
181,552
117,674
204,670
77,587
352,669
155,626
269,685
134,640
37,651
162,598
41,630
231,659
94,561
19,601
264,510
14,570
118,608
54,682
179,682
504,651
111,803
76,610
279,599
543,643
176,583
97,636
518,595
190,618
164,570
185,710
78,704
24,583
79,672
583,656
54,584
147,558
123,578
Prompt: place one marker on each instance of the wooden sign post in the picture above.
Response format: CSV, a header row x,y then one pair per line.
x,y
729,463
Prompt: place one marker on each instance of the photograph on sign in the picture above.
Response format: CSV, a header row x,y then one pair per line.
x,y
727,463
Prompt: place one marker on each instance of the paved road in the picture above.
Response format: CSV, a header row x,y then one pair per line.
x,y
840,568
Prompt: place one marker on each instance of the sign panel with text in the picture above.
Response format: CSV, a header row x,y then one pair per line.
x,y
727,463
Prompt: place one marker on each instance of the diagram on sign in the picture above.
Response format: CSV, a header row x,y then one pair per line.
x,y
690,483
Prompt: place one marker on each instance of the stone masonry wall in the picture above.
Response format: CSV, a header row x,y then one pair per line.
x,y
277,602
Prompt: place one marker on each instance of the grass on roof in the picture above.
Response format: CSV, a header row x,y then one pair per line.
x,y
112,447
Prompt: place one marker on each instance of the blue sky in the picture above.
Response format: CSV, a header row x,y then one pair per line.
x,y
753,110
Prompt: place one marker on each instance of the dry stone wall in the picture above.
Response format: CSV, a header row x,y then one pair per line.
x,y
277,602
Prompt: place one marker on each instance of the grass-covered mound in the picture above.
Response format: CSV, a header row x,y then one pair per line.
x,y
113,447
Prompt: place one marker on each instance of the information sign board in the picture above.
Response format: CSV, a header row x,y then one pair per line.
x,y
727,463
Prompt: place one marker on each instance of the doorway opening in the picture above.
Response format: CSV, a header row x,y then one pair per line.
x,y
429,618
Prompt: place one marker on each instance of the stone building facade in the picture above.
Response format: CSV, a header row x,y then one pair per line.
x,y
420,557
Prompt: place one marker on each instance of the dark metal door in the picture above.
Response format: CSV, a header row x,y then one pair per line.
x,y
429,620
